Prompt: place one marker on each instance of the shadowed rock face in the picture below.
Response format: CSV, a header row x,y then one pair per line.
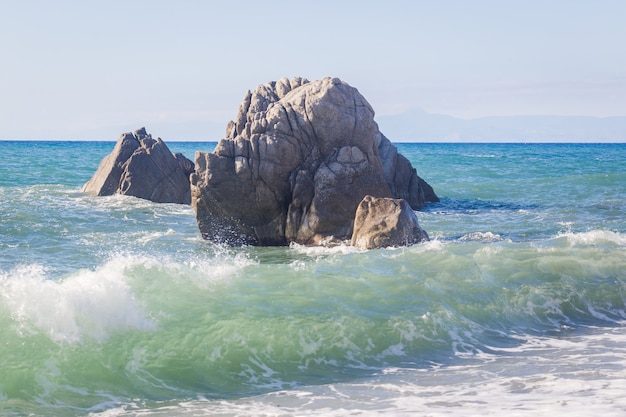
x,y
143,167
385,222
294,166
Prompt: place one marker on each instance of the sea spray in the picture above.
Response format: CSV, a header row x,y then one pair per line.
x,y
232,326
86,305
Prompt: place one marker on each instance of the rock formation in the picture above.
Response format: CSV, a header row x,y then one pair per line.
x,y
294,166
143,167
385,222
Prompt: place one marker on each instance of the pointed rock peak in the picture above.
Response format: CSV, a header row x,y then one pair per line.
x,y
143,167
140,133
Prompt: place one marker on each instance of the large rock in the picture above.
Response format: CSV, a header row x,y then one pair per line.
x,y
143,167
402,178
294,166
385,222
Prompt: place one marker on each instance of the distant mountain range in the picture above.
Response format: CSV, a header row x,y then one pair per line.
x,y
419,126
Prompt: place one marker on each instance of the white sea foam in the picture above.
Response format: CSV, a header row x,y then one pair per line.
x,y
394,350
434,245
480,237
322,250
595,237
88,304
144,237
570,376
203,272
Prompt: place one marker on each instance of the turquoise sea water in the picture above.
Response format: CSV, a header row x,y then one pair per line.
x,y
114,306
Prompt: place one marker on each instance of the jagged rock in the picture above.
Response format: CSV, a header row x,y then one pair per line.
x,y
295,164
143,167
385,222
402,178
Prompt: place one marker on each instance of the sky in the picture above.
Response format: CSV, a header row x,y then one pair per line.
x,y
91,70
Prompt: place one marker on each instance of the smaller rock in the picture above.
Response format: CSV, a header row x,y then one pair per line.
x,y
143,167
385,222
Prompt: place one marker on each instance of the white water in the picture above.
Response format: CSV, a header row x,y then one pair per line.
x,y
580,375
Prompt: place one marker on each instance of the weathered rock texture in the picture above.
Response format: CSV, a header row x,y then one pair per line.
x,y
295,164
143,167
385,222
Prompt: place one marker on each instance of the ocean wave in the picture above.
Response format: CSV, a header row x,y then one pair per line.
x,y
590,377
481,237
324,250
85,305
222,320
117,296
594,237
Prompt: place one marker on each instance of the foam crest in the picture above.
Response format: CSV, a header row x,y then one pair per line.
x,y
204,271
88,304
588,380
481,237
322,250
594,237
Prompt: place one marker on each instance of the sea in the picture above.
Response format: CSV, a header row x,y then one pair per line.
x,y
115,306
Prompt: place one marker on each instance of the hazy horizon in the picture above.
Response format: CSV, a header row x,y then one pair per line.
x,y
417,126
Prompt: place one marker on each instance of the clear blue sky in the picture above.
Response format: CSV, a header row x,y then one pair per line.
x,y
94,69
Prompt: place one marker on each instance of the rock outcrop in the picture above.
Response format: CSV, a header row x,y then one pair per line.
x,y
143,167
386,222
294,166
